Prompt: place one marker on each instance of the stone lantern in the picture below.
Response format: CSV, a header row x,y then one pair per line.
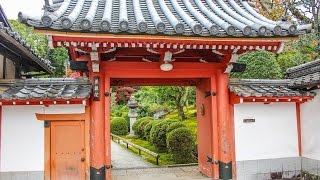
x,y
132,105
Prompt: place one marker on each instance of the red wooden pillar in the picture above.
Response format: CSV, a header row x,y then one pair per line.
x,y
224,127
97,128
107,125
214,127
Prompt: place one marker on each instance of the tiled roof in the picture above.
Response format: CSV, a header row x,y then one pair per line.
x,y
13,40
265,88
305,76
220,18
35,89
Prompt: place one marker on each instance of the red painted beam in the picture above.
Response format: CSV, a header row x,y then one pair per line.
x,y
169,40
152,70
154,82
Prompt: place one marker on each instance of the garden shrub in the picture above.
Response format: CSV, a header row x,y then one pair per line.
x,y
135,126
147,129
126,117
180,144
140,129
119,126
158,135
174,126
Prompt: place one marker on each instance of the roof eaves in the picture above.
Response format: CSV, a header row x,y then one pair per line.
x,y
15,39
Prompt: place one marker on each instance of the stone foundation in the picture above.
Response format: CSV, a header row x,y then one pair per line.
x,y
266,169
33,175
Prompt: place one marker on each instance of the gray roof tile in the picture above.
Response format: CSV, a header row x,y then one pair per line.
x,y
57,88
265,88
304,76
172,17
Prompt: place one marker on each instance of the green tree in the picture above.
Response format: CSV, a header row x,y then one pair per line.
x,y
39,44
260,65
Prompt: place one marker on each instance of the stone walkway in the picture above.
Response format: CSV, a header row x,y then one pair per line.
x,y
159,173
123,158
130,166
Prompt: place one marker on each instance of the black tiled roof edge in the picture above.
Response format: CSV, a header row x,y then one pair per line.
x,y
265,88
4,18
55,88
303,69
44,63
218,18
304,76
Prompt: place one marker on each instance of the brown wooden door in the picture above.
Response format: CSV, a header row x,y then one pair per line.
x,y
67,150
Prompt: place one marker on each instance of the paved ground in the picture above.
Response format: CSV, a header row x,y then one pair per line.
x,y
130,166
123,158
159,173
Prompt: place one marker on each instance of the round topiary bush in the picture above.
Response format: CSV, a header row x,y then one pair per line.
x,y
158,135
180,143
135,126
174,126
140,129
147,129
119,126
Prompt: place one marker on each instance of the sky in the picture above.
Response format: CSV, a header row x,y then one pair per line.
x,y
13,7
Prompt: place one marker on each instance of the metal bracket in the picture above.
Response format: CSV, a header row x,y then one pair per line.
x,y
46,124
208,93
211,160
108,166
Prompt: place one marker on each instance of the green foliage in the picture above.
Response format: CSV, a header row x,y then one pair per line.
x,y
119,126
180,143
299,52
39,44
140,130
163,98
58,57
260,65
135,126
174,126
147,129
158,135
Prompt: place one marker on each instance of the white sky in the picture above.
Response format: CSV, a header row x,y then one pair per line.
x,y
13,7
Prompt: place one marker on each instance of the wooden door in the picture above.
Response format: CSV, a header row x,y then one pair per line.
x,y
67,150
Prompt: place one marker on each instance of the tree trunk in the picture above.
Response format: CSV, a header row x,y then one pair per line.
x,y
181,112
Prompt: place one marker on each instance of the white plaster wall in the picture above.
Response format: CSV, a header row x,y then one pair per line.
x,y
22,143
272,135
310,128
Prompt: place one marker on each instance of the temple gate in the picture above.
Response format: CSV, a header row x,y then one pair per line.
x,y
169,42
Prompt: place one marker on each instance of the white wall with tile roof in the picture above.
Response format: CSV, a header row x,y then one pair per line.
x,y
272,135
22,136
310,128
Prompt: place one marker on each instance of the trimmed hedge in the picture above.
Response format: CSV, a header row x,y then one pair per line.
x,y
180,144
119,126
158,135
174,126
135,126
147,129
140,130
